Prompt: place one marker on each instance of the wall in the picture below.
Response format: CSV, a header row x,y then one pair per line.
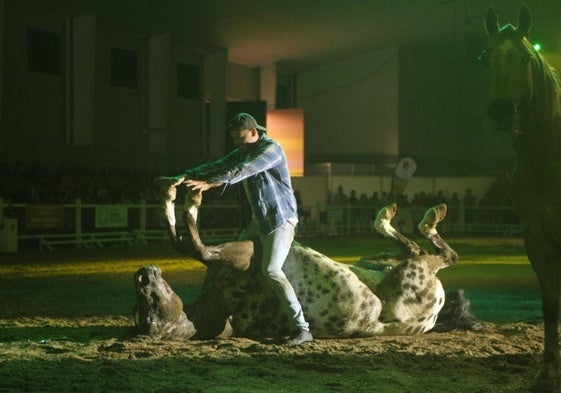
x,y
119,111
442,113
313,190
351,108
187,127
1,78
419,101
34,108
32,120
242,83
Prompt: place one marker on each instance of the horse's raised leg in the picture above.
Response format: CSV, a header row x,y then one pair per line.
x,y
546,264
236,255
167,208
383,225
427,227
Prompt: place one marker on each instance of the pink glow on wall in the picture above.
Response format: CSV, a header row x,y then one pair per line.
x,y
287,127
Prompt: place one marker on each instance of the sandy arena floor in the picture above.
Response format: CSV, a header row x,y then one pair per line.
x,y
65,326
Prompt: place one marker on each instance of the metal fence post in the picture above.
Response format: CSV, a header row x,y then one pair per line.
x,y
142,229
78,221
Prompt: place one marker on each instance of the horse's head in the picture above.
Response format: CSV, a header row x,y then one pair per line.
x,y
158,311
507,57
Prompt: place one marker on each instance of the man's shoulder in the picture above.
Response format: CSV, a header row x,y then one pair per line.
x,y
265,140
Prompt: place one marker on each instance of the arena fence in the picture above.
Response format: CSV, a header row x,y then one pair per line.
x,y
52,226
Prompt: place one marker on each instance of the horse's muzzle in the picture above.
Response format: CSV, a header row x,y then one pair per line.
x,y
501,114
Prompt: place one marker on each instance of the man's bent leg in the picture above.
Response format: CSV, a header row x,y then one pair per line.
x,y
276,247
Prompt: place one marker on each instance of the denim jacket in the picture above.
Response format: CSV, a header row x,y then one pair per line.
x,y
263,168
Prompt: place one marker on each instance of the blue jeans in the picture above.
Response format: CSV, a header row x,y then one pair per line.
x,y
276,246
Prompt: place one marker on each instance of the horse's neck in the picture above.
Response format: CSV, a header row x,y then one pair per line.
x,y
539,135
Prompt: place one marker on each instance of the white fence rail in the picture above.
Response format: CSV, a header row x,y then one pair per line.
x,y
478,220
48,227
95,225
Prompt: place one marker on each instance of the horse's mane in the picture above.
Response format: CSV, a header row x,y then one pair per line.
x,y
546,92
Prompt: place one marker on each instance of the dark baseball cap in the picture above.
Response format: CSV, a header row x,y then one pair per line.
x,y
244,121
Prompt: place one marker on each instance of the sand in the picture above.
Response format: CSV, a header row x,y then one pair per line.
x,y
66,326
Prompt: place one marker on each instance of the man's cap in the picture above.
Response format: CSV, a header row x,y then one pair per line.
x,y
244,121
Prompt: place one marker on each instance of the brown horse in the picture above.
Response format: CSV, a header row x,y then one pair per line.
x,y
525,100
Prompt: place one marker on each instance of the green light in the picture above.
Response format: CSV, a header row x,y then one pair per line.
x,y
537,47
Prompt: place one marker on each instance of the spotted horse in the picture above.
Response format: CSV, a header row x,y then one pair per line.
x,y
339,300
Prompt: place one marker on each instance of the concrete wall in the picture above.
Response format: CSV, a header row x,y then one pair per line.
x,y
351,108
416,101
35,105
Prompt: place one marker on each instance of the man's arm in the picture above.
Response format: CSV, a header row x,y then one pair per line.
x,y
202,171
266,157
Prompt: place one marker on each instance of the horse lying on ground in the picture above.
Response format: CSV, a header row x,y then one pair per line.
x,y
338,300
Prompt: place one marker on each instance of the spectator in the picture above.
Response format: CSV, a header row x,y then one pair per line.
x,y
469,206
303,212
338,211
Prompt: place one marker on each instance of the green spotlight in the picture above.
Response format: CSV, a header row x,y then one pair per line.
x,y
537,47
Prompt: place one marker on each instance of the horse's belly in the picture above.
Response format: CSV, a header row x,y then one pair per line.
x,y
335,302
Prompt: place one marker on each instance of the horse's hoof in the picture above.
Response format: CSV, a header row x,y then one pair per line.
x,y
384,217
432,217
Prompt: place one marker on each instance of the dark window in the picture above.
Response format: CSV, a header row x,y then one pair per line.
x,y
188,81
44,52
124,68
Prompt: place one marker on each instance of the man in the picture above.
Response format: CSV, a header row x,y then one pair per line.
x,y
259,162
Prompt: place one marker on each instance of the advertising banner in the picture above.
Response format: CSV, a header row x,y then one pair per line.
x,y
111,216
44,217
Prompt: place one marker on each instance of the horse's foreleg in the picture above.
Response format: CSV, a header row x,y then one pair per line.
x,y
236,255
550,311
546,264
427,227
383,225
167,208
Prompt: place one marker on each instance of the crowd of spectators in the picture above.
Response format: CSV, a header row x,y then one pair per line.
x,y
357,213
28,183
36,184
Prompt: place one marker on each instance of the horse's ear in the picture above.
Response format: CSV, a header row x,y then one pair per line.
x,y
491,22
524,21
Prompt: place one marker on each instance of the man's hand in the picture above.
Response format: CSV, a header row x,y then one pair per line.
x,y
200,185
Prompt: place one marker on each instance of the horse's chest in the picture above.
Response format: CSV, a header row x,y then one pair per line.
x,y
535,192
538,203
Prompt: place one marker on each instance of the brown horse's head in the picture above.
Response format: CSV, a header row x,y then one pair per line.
x,y
507,58
158,311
